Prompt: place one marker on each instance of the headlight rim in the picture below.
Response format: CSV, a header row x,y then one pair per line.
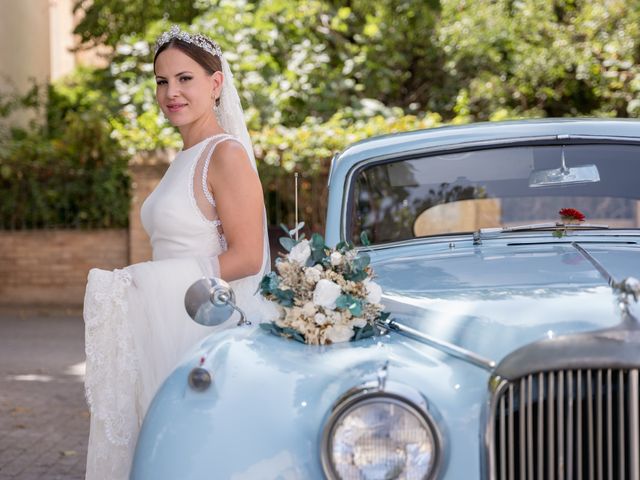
x,y
368,392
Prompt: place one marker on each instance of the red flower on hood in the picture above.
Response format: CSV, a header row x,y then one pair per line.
x,y
571,214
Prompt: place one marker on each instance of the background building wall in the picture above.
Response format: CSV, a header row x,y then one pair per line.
x,y
25,54
36,41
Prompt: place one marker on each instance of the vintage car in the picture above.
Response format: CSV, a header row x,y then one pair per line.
x,y
512,349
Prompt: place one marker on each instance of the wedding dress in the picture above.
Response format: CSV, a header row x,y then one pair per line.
x,y
136,326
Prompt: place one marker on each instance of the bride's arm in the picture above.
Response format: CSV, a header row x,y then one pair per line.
x,y
240,205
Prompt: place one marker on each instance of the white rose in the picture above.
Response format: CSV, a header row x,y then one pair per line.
x,y
309,309
300,252
326,293
336,259
312,275
320,318
374,291
339,333
358,322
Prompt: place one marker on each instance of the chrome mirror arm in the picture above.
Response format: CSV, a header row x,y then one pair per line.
x,y
211,301
222,296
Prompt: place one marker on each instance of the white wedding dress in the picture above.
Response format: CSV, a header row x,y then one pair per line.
x,y
136,326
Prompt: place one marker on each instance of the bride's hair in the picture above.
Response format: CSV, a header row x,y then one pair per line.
x,y
210,63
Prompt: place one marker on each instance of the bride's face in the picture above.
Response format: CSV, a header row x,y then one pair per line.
x,y
184,89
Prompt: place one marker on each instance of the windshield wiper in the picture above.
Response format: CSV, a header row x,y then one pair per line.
x,y
485,233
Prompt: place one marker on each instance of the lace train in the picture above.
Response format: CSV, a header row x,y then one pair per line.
x,y
111,375
136,331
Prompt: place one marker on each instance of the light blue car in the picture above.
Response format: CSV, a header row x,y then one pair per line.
x,y
512,350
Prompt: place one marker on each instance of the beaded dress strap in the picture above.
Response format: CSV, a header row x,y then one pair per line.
x,y
205,168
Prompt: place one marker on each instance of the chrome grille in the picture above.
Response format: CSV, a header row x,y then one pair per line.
x,y
566,424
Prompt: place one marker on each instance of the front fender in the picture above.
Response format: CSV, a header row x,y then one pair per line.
x,y
264,413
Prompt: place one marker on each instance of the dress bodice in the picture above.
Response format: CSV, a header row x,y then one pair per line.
x,y
170,215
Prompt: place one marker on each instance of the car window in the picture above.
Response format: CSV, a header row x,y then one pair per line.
x,y
462,192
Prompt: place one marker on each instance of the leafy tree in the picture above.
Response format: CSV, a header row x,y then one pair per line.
x,y
542,57
105,22
317,75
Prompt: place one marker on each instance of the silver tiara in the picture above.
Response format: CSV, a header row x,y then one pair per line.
x,y
197,39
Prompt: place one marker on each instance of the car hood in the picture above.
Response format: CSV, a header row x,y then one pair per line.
x,y
494,298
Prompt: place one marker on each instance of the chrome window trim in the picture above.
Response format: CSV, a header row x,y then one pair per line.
x,y
550,140
394,392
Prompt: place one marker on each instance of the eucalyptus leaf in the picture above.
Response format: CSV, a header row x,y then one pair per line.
x,y
362,261
356,308
285,228
318,248
365,332
269,283
351,303
344,300
364,239
318,256
287,243
270,327
297,228
296,335
284,297
342,246
356,275
317,241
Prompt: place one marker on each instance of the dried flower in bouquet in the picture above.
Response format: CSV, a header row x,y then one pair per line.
x,y
324,295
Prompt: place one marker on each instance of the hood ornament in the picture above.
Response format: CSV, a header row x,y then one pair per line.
x,y
628,291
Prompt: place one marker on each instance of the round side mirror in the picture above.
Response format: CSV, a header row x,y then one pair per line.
x,y
211,301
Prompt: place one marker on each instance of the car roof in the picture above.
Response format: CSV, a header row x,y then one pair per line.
x,y
398,143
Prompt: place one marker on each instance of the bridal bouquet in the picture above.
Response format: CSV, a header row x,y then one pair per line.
x,y
323,295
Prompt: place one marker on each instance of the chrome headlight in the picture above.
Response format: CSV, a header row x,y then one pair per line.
x,y
374,434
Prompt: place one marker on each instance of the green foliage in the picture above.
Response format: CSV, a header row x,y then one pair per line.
x,y
283,331
65,172
348,302
106,21
302,63
542,57
293,62
317,75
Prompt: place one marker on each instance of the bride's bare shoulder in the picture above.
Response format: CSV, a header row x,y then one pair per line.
x,y
229,153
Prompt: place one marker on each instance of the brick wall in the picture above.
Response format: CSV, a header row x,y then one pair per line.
x,y
144,177
44,269
48,268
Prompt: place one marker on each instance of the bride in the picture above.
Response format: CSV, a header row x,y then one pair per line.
x,y
205,218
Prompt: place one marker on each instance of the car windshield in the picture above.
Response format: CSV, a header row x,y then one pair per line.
x,y
496,187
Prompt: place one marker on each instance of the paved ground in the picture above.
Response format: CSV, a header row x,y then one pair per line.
x,y
44,420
